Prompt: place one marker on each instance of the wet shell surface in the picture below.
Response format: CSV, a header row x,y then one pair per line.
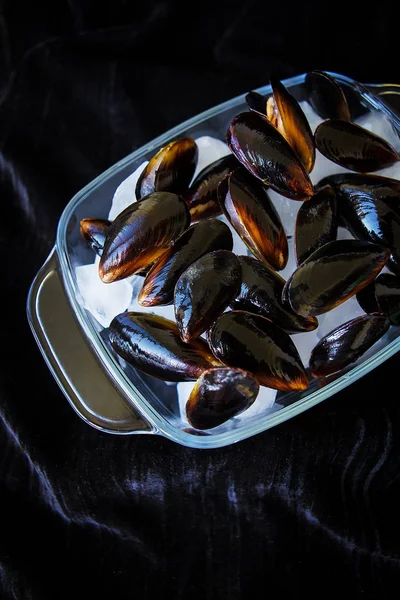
x,y
326,96
345,344
251,342
387,294
219,395
141,233
204,291
170,170
259,146
153,345
94,232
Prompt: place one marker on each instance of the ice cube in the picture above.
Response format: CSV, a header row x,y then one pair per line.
x,y
287,210
381,125
344,312
313,118
344,234
125,193
103,300
262,404
304,343
210,150
183,390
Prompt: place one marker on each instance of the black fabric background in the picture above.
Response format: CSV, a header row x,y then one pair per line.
x,y
311,505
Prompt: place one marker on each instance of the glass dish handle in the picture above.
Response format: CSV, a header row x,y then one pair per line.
x,y
73,363
388,92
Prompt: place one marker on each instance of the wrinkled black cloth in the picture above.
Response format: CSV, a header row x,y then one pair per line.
x,y
309,506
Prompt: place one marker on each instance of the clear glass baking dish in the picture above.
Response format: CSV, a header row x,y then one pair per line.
x,y
111,395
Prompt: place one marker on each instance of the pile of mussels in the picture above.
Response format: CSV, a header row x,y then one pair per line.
x,y
171,237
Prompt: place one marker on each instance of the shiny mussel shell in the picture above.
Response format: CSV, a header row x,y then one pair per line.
x,y
94,232
316,223
257,102
170,170
383,188
204,291
345,344
366,298
260,293
285,113
246,205
251,342
201,197
141,233
153,345
353,147
259,146
219,395
326,96
387,293
158,287
332,274
369,218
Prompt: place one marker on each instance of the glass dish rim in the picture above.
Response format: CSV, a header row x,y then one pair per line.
x,y
159,424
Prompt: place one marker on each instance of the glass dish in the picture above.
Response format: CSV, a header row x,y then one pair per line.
x,y
110,394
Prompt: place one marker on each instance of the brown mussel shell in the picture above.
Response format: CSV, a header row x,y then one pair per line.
x,y
202,198
332,274
316,223
259,146
246,205
382,188
387,294
152,344
219,395
141,233
260,293
94,232
369,218
170,170
199,239
326,96
345,344
204,291
257,102
293,124
251,342
354,147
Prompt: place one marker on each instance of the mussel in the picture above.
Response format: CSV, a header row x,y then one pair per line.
x,y
257,102
366,298
141,233
170,170
259,146
246,205
260,293
381,188
152,344
199,239
332,274
204,291
94,232
353,147
345,344
316,223
387,294
369,218
219,395
202,198
286,115
251,342
326,96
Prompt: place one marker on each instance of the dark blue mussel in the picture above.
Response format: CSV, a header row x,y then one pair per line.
x,y
326,96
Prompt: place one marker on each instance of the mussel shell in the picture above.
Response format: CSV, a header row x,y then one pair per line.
x,y
204,291
382,188
387,293
353,147
260,293
94,232
202,198
345,344
246,205
369,218
366,298
141,233
257,102
170,170
326,96
293,124
152,344
251,342
259,146
208,235
219,395
332,274
316,223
